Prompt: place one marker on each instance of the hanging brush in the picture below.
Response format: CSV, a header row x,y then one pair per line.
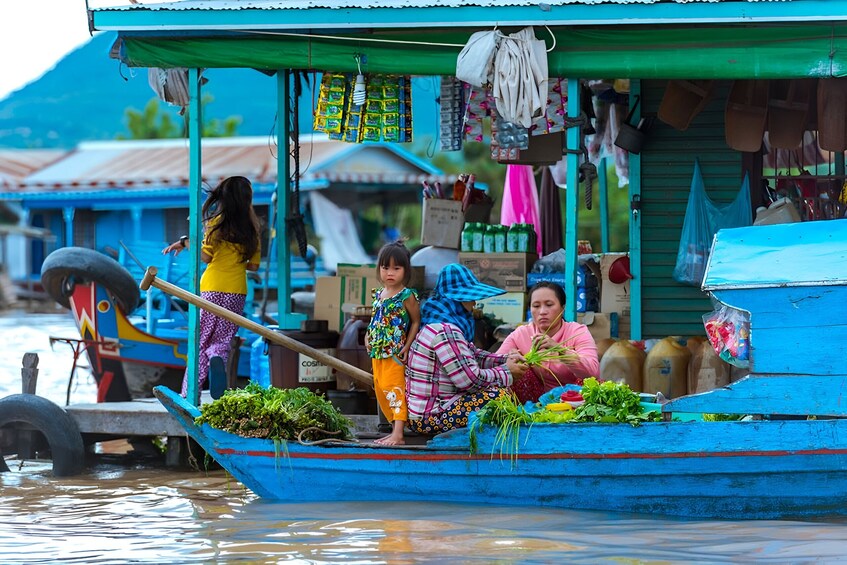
x,y
359,91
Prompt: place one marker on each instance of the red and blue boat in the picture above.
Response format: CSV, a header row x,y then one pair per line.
x,y
789,460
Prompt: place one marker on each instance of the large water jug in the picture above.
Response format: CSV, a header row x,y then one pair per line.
x,y
623,363
603,346
666,368
706,370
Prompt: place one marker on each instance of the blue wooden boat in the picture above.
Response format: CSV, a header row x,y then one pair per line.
x,y
789,461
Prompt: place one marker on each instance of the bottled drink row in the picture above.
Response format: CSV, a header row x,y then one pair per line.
x,y
478,237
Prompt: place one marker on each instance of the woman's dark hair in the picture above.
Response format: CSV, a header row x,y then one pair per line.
x,y
231,202
555,287
402,258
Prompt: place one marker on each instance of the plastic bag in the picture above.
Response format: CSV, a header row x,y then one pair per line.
x,y
552,263
728,330
475,63
703,219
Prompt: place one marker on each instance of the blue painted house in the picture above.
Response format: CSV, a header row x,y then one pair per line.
x,y
660,46
107,192
683,61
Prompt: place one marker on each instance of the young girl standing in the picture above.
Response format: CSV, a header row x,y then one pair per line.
x,y
394,325
230,248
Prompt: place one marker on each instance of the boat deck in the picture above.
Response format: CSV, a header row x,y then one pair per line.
x,y
147,417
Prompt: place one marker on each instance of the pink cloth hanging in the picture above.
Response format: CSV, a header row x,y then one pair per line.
x,y
520,200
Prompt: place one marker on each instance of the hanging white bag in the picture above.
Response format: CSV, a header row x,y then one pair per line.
x,y
475,64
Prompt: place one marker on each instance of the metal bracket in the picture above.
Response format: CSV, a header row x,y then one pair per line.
x,y
635,205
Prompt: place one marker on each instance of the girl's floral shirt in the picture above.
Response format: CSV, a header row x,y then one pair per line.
x,y
389,323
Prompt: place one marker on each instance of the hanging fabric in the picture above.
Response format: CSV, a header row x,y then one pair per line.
x,y
520,77
520,200
703,219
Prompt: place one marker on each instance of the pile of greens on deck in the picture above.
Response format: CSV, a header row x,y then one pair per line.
x,y
275,413
606,402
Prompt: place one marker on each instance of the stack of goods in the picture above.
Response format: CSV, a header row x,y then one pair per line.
x,y
385,115
509,139
452,103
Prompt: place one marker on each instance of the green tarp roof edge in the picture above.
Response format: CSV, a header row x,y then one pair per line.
x,y
785,51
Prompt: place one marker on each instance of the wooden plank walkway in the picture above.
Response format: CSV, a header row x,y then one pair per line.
x,y
147,417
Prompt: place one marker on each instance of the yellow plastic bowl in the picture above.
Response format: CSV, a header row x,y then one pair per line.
x,y
559,407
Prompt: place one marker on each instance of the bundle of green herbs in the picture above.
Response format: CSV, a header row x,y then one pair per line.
x,y
506,414
275,413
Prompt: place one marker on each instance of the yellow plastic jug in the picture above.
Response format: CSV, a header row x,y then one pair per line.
x,y
623,363
666,368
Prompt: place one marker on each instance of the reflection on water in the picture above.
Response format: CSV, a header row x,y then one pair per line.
x,y
119,513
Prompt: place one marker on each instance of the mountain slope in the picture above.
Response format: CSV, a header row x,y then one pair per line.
x,y
84,97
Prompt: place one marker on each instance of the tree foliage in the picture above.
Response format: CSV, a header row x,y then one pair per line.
x,y
155,123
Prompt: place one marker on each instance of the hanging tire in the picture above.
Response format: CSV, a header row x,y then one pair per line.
x,y
28,411
64,266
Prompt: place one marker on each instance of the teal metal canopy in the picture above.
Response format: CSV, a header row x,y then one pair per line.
x,y
691,52
615,38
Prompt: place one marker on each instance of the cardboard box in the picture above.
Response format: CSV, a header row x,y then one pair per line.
x,y
509,307
599,325
503,270
613,297
335,297
369,270
602,325
442,222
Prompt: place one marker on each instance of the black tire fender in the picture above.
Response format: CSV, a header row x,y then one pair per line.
x,y
57,426
61,267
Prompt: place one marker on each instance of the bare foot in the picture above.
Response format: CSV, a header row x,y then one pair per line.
x,y
391,440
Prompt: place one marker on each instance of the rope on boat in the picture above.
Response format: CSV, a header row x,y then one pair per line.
x,y
301,441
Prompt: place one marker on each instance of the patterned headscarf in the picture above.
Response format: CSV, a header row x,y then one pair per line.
x,y
456,284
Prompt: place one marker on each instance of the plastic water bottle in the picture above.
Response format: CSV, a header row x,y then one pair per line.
x,y
260,370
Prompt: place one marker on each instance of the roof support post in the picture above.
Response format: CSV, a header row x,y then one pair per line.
x,y
635,221
195,227
574,150
68,216
286,319
603,190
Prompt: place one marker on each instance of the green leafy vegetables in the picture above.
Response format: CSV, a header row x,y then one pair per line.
x,y
606,402
274,413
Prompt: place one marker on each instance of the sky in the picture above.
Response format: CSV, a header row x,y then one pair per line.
x,y
36,34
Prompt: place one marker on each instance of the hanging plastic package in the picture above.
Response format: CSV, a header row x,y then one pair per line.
x,y
703,219
728,330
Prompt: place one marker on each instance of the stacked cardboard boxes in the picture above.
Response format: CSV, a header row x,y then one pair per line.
x,y
350,291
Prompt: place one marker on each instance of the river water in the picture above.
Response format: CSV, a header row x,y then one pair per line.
x,y
125,510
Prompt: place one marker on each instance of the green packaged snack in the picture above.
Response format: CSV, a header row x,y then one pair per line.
x,y
390,119
371,134
391,133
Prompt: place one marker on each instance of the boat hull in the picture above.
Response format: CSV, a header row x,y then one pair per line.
x,y
744,470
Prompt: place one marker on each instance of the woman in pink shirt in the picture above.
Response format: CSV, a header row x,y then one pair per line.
x,y
547,303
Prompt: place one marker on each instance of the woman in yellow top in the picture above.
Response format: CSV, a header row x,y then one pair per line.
x,y
230,249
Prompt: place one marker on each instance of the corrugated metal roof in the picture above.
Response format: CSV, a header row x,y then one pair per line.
x,y
365,4
157,164
16,164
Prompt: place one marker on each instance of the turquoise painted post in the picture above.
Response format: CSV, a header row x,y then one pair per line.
x,y
68,216
603,189
135,214
574,146
286,319
635,225
195,226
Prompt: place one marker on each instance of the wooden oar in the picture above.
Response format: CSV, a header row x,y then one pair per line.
x,y
355,373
